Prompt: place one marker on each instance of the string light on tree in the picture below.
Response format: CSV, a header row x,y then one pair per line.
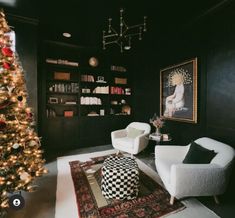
x,y
21,157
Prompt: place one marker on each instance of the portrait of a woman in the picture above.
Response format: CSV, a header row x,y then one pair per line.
x,y
178,91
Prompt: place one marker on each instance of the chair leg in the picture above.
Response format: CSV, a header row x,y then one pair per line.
x,y
216,199
172,200
117,153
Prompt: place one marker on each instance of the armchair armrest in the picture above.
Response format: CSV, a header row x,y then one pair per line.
x,y
197,179
119,133
140,142
170,151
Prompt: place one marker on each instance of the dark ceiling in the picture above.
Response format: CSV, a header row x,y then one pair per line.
x,y
86,20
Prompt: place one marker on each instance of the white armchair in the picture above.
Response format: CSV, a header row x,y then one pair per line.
x,y
132,145
183,180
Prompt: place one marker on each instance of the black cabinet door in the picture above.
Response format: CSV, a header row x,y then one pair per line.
x,y
61,133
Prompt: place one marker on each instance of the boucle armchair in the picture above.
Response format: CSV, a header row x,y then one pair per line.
x,y
183,180
131,142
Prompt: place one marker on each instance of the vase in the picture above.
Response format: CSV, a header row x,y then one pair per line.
x,y
157,132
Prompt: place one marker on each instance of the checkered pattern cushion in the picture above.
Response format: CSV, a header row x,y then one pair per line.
x,y
120,178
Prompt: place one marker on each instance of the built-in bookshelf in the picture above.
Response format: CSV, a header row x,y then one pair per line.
x,y
73,93
62,92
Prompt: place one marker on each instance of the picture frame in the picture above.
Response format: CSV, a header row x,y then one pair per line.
x,y
178,92
53,100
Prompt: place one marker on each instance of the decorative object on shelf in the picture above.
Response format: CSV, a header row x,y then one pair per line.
x,y
123,38
127,91
102,112
53,100
86,90
178,92
93,61
126,109
158,122
100,79
92,114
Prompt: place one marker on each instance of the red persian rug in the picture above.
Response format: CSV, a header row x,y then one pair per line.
x,y
152,201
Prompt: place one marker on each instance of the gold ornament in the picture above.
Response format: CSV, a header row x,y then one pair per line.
x,y
24,176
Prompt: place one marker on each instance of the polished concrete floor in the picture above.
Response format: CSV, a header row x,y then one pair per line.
x,y
41,204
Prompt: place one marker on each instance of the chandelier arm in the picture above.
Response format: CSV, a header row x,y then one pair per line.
x,y
125,25
111,35
142,26
114,37
111,42
114,31
136,26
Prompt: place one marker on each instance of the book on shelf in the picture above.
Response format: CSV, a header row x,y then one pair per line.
x,y
68,113
71,102
62,75
87,78
122,81
51,61
118,68
64,88
117,90
50,112
90,101
101,90
62,62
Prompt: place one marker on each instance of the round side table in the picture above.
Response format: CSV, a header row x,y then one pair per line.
x,y
159,139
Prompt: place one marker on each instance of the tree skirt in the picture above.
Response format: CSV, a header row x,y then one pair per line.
x,y
152,200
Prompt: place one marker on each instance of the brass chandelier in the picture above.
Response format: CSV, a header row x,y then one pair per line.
x,y
126,33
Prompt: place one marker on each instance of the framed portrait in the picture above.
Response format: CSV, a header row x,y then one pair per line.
x,y
178,92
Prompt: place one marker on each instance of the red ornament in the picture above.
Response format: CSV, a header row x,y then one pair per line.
x,y
7,52
2,124
6,65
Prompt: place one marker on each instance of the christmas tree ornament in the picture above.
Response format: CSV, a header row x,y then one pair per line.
x,y
15,145
33,143
6,65
7,52
24,176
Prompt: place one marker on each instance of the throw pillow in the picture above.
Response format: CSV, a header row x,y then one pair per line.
x,y
133,132
198,154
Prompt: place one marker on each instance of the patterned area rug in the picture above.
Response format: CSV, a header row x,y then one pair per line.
x,y
152,201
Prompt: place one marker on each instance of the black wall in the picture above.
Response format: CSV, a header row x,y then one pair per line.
x,y
210,39
26,31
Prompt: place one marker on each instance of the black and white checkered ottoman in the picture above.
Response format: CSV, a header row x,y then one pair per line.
x,y
120,178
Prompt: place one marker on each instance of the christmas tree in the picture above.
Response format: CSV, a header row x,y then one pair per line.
x,y
20,154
